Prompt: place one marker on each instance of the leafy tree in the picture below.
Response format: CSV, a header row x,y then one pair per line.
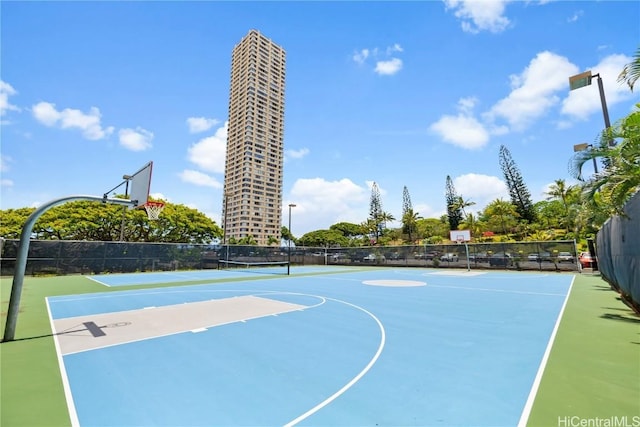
x,y
561,192
610,189
86,220
376,213
409,217
349,229
12,222
433,230
323,238
410,224
520,195
454,213
286,234
631,71
473,224
248,241
501,216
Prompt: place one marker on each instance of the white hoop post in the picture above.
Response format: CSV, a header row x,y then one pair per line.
x,y
153,209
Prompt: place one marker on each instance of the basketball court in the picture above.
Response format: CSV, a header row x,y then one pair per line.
x,y
349,347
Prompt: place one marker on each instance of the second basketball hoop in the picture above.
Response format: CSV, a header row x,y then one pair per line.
x,y
153,209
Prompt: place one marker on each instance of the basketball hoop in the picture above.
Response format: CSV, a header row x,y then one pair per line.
x,y
153,209
460,239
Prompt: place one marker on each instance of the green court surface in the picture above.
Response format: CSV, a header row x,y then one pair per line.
x,y
592,376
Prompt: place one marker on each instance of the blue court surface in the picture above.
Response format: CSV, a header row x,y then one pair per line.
x,y
381,347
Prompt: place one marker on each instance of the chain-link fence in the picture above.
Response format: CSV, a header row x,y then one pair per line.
x,y
619,252
82,257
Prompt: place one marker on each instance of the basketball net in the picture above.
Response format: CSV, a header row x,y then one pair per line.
x,y
153,209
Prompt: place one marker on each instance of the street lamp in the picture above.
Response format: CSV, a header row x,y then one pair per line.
x,y
582,147
224,225
291,205
584,79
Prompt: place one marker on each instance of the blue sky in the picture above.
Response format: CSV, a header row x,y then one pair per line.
x,y
397,93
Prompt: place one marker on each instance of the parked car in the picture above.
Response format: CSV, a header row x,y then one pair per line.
x,y
539,257
534,257
479,257
449,257
586,260
565,257
373,258
501,259
428,255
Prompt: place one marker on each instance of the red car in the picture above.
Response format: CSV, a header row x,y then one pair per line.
x,y
586,260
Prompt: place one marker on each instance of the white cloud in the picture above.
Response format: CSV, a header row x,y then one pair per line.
x,y
6,90
388,68
209,153
89,123
321,203
480,189
574,18
137,139
385,64
6,183
199,178
480,15
4,163
201,124
395,48
534,91
463,130
296,154
361,56
583,102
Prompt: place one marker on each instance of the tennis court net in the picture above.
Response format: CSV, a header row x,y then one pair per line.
x,y
263,267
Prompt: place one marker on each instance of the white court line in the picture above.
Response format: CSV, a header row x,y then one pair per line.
x,y
71,407
507,291
97,281
355,379
543,364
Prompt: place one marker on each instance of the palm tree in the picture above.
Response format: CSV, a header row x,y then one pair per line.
x,y
410,223
504,211
461,203
620,179
559,191
631,71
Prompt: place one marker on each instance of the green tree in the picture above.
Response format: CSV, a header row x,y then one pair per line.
x,y
286,234
349,229
86,220
631,71
454,213
12,222
375,213
323,238
410,224
501,216
433,230
561,192
520,195
610,189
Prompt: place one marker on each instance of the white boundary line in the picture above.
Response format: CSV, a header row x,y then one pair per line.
x,y
355,379
543,364
73,415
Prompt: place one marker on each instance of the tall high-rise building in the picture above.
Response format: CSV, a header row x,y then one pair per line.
x,y
253,166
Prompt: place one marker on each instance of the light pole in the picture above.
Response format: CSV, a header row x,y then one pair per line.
x,y
291,205
582,147
584,79
224,226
